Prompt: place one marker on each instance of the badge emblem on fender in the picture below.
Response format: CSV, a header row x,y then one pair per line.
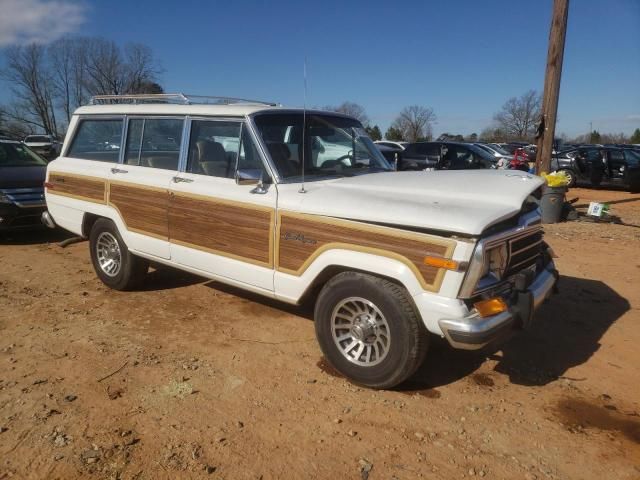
x,y
299,237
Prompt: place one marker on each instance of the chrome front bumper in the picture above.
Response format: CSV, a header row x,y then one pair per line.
x,y
474,332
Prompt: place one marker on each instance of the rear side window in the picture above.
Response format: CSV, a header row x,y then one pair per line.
x,y
154,142
97,140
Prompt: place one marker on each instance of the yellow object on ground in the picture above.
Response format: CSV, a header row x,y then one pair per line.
x,y
556,179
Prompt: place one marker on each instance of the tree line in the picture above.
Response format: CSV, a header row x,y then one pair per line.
x,y
517,120
49,82
413,124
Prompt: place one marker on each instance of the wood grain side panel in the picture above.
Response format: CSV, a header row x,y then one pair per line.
x,y
76,186
231,229
143,210
302,237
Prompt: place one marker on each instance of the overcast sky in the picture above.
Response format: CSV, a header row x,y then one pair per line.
x,y
463,58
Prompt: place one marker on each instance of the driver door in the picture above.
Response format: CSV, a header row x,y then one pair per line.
x,y
216,225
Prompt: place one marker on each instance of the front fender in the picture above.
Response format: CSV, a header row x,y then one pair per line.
x,y
291,287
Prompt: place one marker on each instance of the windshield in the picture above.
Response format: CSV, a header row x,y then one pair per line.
x,y
481,153
485,148
18,155
37,138
333,146
500,150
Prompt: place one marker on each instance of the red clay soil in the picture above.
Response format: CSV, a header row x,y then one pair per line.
x,y
191,379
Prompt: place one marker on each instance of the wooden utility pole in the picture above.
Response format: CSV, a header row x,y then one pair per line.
x,y
547,127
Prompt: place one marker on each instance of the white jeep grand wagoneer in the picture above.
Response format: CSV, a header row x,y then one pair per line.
x,y
299,204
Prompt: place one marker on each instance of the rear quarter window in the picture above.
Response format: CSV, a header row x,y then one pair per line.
x,y
99,139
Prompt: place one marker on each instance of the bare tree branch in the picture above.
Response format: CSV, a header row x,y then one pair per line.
x,y
415,123
28,72
352,109
519,115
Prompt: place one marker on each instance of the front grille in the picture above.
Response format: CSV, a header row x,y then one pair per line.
x,y
25,197
524,251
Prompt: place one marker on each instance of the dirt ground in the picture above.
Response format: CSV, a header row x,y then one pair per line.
x,y
192,379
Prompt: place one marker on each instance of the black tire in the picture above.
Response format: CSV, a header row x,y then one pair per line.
x,y
570,175
132,269
408,342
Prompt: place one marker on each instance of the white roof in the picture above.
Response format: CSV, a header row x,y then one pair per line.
x,y
233,110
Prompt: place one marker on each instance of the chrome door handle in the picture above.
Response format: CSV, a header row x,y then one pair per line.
x,y
119,170
182,179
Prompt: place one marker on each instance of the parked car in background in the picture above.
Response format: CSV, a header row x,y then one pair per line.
x,y
392,155
597,165
390,144
46,145
500,154
445,156
420,156
22,174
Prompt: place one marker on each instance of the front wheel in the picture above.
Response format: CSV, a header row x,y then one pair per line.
x,y
114,264
571,177
369,330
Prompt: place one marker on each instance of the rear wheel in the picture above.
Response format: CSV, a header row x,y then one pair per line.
x,y
369,330
114,264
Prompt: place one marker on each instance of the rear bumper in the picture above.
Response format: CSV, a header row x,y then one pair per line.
x,y
473,332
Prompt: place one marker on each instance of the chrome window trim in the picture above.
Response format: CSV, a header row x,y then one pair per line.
x,y
527,224
123,146
184,144
74,133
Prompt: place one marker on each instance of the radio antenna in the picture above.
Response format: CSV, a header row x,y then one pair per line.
x,y
304,122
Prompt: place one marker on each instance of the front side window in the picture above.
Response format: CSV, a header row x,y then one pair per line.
x,y
214,147
616,155
329,145
97,140
18,155
154,142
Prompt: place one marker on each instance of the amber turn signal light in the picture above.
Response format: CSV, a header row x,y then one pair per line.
x,y
440,262
493,306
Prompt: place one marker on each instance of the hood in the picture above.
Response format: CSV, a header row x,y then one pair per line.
x,y
460,201
22,177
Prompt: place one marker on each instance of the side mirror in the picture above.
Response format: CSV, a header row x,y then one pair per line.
x,y
251,176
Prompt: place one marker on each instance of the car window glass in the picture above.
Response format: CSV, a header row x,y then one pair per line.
x,y
422,149
154,142
249,157
97,140
593,155
616,155
18,155
632,158
213,148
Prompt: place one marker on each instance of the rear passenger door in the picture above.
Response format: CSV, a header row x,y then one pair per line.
x,y
216,225
139,185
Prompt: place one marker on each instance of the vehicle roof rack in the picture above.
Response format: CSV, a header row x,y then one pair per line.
x,y
173,98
